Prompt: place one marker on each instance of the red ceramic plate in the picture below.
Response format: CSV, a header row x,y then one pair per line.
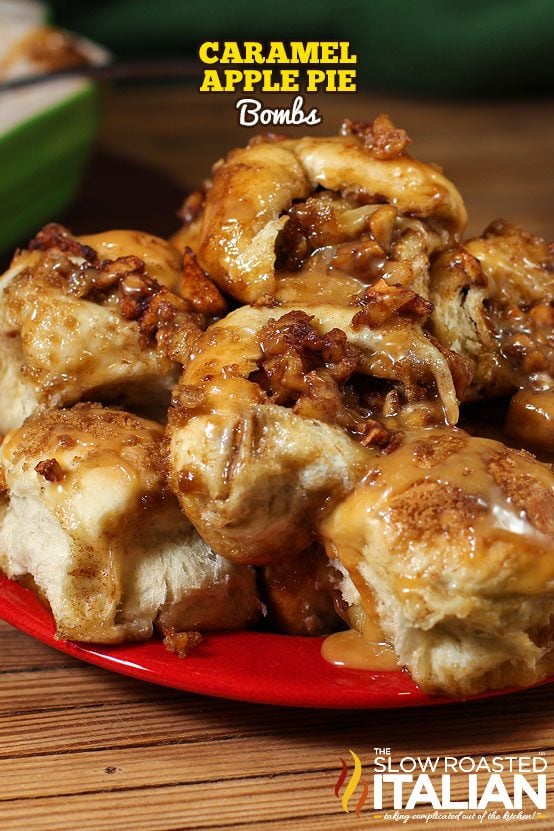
x,y
247,666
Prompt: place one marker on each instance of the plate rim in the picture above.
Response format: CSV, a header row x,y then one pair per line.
x,y
207,671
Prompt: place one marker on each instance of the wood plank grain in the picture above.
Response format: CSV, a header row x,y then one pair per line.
x,y
64,687
84,748
213,805
182,747
37,655
182,717
162,764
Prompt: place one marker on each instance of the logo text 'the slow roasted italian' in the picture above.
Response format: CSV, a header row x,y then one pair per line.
x,y
508,788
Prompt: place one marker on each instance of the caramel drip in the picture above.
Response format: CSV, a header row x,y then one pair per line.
x,y
355,651
365,645
530,419
316,284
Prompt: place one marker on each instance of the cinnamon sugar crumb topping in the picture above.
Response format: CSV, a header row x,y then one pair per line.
x,y
380,136
524,490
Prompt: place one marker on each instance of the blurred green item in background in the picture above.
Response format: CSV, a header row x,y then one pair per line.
x,y
46,130
442,47
42,161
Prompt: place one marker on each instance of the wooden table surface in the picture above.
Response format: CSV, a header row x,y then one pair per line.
x,y
82,748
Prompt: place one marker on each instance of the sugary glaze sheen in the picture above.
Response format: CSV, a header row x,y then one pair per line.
x,y
454,534
161,259
358,200
494,303
74,325
264,432
323,412
530,419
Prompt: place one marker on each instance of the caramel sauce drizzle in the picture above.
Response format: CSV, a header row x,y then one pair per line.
x,y
365,516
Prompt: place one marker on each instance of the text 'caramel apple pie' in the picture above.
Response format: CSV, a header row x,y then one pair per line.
x,y
258,421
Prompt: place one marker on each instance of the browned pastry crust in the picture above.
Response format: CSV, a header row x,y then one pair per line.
x,y
322,217
86,513
74,325
494,304
274,416
454,537
196,287
324,411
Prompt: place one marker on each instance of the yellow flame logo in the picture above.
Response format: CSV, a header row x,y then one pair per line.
x,y
354,781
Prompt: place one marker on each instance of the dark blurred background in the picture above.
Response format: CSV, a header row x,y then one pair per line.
x,y
470,81
432,47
